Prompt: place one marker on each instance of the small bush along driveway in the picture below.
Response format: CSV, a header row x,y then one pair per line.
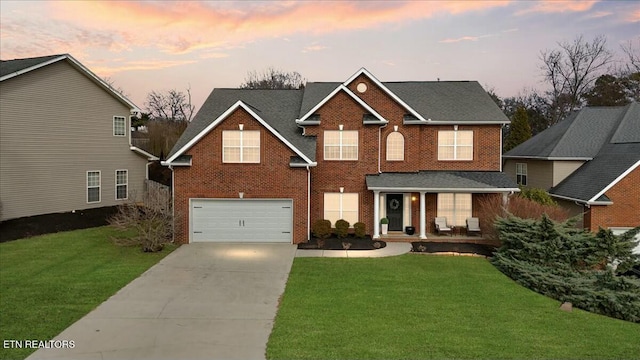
x,y
50,281
424,307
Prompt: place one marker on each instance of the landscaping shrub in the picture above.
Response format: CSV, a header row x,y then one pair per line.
x,y
568,264
342,228
359,230
152,221
321,228
538,195
491,208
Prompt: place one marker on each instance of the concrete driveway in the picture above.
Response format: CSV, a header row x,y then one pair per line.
x,y
203,301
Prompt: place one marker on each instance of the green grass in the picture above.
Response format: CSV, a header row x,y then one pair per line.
x,y
424,307
50,281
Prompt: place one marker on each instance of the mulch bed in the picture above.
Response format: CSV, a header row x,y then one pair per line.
x,y
463,248
51,223
333,243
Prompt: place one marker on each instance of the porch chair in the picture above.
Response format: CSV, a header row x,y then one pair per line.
x,y
442,227
473,226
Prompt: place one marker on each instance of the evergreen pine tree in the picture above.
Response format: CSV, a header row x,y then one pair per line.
x,y
519,130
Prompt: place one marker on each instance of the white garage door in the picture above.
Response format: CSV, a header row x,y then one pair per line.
x,y
241,220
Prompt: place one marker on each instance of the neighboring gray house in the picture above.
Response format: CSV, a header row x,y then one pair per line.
x,y
589,162
64,139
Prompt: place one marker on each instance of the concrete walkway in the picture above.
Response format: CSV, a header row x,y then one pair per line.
x,y
203,301
392,249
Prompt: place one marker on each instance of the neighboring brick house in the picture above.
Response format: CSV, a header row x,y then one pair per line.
x,y
263,165
64,139
589,162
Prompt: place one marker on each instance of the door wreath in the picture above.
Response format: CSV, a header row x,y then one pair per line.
x,y
394,204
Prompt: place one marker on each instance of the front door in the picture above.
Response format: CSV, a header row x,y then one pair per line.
x,y
394,211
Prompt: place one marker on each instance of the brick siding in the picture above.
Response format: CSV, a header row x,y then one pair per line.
x,y
625,211
208,177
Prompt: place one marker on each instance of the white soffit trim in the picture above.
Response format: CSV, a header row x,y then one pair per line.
x,y
389,92
75,63
547,158
224,115
332,94
143,153
614,182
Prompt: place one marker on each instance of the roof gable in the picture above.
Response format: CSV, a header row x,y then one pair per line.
x,y
395,97
304,118
17,67
188,139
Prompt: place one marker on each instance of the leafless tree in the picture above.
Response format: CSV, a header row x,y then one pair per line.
x,y
151,220
173,105
633,56
273,79
571,71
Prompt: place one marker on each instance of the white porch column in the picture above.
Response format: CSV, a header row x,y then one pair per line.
x,y
376,214
423,216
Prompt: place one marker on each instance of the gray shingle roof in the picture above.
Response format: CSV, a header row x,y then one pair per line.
x,y
629,128
279,108
595,175
451,101
314,92
609,136
10,66
582,134
481,181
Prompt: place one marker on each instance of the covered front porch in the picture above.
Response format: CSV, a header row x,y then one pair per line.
x,y
412,201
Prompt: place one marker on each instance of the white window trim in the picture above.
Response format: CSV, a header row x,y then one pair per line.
x,y
455,145
126,184
403,142
341,145
242,146
124,119
522,174
91,187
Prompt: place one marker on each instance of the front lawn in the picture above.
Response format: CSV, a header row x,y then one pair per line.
x,y
48,282
424,307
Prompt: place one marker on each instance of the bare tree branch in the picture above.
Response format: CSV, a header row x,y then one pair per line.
x,y
571,71
273,79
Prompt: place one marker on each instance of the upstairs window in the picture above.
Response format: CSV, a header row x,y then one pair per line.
x,y
455,145
341,145
521,174
395,147
241,146
119,126
122,184
93,186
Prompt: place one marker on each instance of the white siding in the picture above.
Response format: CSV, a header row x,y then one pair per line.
x,y
55,125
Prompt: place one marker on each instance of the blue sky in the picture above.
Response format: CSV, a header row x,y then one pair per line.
x,y
159,45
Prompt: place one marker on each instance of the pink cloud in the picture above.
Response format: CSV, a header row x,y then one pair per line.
x,y
556,6
184,27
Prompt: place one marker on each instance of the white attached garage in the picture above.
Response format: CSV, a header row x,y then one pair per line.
x,y
241,220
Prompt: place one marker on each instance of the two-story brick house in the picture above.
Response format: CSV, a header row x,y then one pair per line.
x,y
263,165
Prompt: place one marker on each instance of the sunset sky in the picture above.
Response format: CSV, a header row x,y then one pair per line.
x,y
160,45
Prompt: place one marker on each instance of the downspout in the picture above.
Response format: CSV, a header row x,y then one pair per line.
x,y
380,146
501,160
173,205
308,203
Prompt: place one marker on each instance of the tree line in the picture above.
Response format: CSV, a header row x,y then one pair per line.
x,y
577,73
